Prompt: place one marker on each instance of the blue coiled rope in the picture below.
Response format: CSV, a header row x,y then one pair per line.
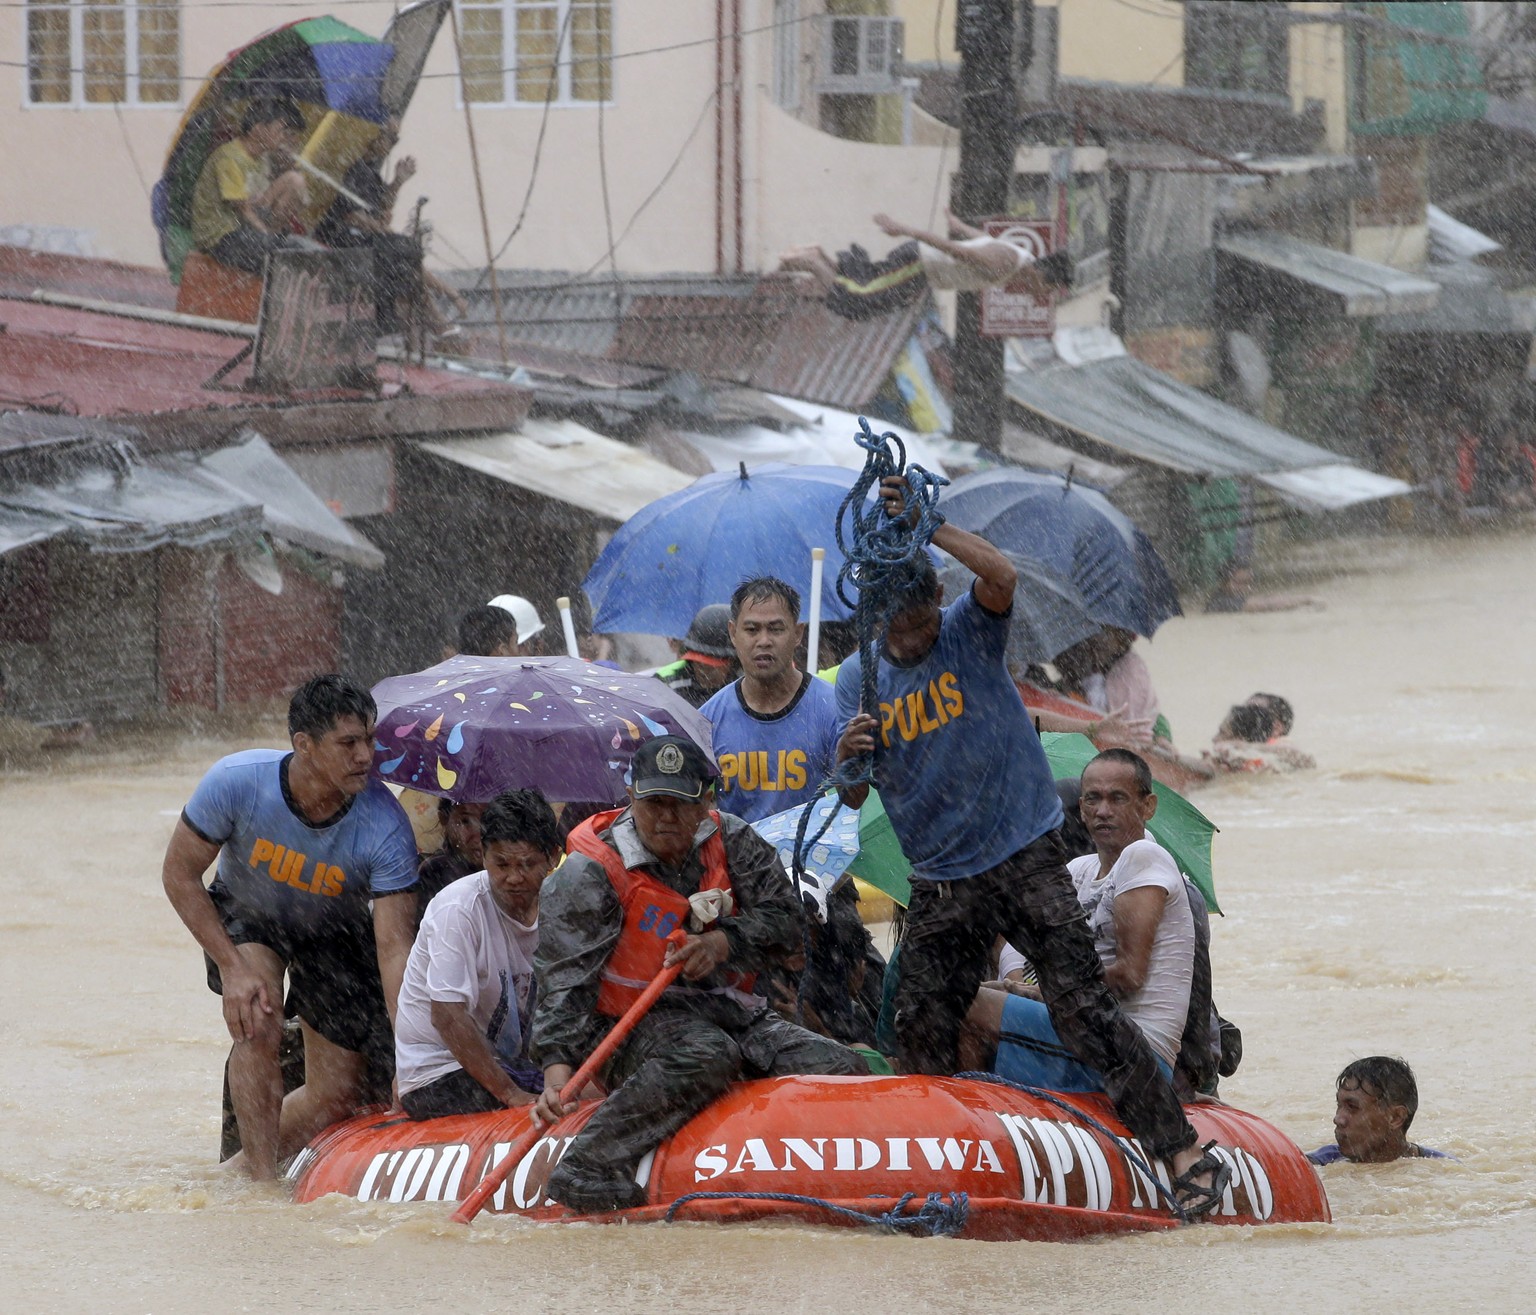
x,y
878,551
1050,1097
936,1217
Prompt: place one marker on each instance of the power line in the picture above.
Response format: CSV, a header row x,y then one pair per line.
x,y
522,66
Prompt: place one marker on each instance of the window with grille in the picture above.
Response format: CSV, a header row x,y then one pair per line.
x,y
860,54
524,52
1237,47
103,52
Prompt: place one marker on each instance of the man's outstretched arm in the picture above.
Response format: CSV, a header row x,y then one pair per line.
x,y
996,577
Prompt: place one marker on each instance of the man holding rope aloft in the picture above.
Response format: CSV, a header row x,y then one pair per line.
x,y
970,794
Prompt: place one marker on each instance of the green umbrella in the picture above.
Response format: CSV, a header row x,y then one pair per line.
x,y
1179,827
880,861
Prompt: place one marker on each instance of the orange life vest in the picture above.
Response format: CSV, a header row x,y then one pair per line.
x,y
652,911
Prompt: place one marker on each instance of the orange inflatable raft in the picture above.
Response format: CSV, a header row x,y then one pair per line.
x,y
939,1155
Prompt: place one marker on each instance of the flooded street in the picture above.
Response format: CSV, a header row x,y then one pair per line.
x,y
1385,903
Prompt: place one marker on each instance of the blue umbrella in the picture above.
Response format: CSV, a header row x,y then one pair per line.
x,y
1076,531
692,548
1049,615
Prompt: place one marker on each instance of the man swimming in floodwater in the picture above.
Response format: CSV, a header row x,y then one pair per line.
x,y
1376,1100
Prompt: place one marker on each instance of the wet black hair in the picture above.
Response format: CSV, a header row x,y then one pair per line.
x,y
913,584
1386,1078
1134,761
266,109
521,815
318,704
1280,707
1252,722
484,629
764,589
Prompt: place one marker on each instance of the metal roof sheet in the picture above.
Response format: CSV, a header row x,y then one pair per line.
x,y
117,504
153,374
1122,404
564,460
772,332
1360,287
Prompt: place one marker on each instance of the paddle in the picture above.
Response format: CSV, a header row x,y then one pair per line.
x,y
491,1183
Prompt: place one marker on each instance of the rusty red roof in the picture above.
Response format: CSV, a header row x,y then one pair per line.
x,y
153,376
23,271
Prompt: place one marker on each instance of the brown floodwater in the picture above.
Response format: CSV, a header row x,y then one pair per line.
x,y
1384,903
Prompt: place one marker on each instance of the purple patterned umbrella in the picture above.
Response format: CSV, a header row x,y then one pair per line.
x,y
472,727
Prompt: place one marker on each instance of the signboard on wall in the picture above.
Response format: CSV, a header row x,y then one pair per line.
x,y
1011,311
316,329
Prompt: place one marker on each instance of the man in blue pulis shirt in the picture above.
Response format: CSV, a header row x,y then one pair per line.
x,y
973,801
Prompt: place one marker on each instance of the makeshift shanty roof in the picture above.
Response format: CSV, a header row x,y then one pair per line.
x,y
113,502
1471,302
562,459
1451,240
154,375
1265,267
291,511
772,333
1122,404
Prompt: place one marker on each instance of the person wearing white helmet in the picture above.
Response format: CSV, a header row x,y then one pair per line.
x,y
526,616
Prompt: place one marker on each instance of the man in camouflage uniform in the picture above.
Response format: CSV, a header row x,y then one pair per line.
x,y
604,918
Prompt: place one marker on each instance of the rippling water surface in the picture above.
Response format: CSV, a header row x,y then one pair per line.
x,y
1385,903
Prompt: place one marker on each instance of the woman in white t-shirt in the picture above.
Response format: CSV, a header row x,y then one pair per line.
x,y
466,1004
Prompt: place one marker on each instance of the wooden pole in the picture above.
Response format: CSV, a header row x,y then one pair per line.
x,y
474,160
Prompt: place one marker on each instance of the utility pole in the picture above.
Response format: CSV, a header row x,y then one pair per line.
x,y
985,32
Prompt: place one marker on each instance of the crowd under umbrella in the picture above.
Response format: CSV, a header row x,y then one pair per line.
x,y
693,547
344,82
1077,532
472,727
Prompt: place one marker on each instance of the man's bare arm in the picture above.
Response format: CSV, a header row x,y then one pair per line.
x,y
187,857
394,931
468,1045
1137,913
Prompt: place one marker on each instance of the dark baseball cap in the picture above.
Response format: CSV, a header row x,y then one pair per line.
x,y
672,766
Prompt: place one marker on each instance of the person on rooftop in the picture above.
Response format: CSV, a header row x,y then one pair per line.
x,y
401,285
241,211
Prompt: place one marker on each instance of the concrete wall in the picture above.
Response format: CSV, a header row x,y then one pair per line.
x,y
90,169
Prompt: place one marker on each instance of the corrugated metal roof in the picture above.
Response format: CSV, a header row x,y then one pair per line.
x,y
772,333
23,271
151,374
564,460
1360,287
1127,406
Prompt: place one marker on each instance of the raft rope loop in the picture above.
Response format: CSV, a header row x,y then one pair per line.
x,y
878,552
936,1217
1126,1149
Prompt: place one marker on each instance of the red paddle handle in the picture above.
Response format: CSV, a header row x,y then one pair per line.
x,y
491,1183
